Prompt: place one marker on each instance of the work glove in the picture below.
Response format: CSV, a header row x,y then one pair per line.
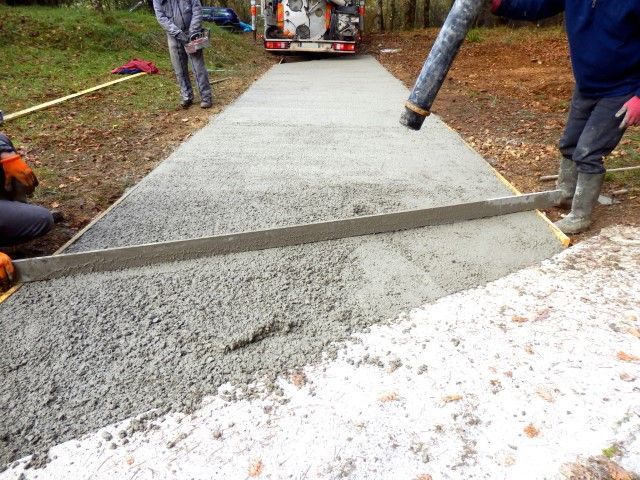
x,y
631,112
7,272
15,169
182,37
495,5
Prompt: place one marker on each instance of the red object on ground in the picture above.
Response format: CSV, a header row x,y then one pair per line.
x,y
140,65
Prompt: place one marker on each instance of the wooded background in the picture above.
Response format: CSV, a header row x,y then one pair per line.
x,y
382,15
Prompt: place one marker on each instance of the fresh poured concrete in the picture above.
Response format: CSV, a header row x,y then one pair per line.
x,y
309,141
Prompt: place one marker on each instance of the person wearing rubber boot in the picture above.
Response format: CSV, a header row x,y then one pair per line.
x,y
19,221
604,41
182,20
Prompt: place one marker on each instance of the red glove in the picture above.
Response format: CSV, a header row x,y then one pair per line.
x,y
7,272
15,169
631,112
495,5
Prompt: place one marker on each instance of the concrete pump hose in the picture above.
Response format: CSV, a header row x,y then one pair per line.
x,y
460,19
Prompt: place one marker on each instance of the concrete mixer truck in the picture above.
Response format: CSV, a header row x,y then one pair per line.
x,y
329,26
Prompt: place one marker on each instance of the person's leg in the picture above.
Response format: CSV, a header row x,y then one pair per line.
x,y
601,134
579,113
180,63
202,78
21,222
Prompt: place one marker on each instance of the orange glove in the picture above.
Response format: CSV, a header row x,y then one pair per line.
x,y
15,169
7,272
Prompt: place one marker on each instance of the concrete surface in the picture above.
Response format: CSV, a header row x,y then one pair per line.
x,y
456,390
309,141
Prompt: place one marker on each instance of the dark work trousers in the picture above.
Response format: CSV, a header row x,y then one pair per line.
x,y
180,62
21,222
592,131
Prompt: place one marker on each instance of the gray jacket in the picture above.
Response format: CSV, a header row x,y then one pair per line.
x,y
177,16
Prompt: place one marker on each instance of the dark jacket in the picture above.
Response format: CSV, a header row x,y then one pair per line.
x,y
6,146
604,40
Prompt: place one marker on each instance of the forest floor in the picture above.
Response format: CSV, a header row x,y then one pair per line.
x,y
508,94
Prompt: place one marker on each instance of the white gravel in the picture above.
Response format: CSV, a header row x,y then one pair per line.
x,y
447,390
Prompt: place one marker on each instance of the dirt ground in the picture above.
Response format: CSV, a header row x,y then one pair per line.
x,y
508,94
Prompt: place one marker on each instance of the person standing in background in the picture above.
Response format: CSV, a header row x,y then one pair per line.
x,y
182,20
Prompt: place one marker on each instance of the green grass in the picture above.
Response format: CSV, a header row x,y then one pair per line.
x,y
51,52
611,451
474,36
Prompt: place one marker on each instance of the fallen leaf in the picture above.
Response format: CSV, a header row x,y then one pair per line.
x,y
130,460
255,469
299,379
452,398
545,394
424,476
627,357
519,319
596,468
55,205
528,348
635,332
627,377
531,431
388,397
543,314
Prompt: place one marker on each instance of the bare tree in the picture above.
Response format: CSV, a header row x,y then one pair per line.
x,y
426,11
380,15
409,15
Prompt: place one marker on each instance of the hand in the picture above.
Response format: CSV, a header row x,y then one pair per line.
x,y
182,37
15,169
7,272
631,112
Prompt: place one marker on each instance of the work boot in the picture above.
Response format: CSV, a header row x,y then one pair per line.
x,y
206,104
567,178
585,197
186,103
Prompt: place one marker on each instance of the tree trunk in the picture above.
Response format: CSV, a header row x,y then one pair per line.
x,y
410,15
426,11
380,15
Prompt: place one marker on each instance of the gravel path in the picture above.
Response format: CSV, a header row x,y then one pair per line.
x,y
309,141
